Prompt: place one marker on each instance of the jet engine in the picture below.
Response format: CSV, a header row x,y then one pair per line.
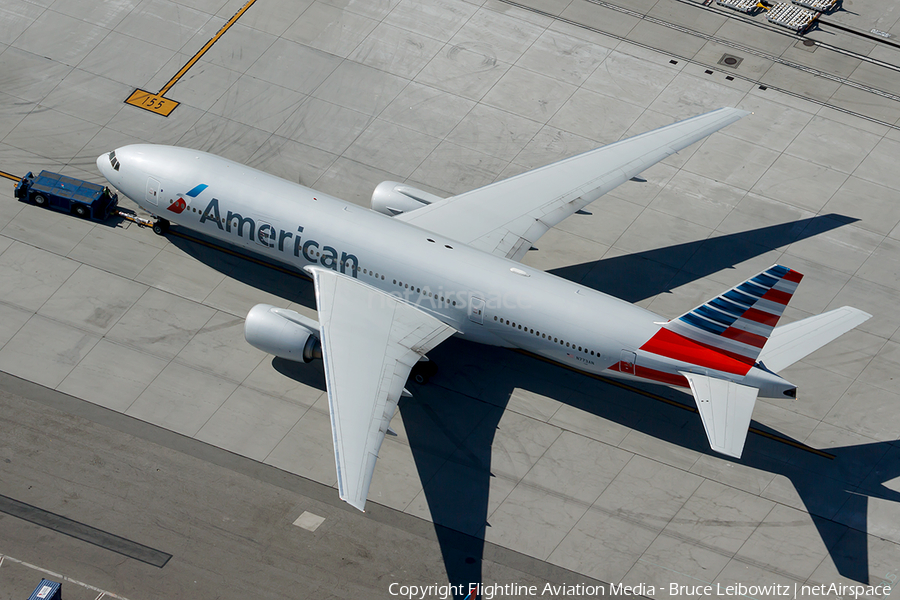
x,y
392,198
282,332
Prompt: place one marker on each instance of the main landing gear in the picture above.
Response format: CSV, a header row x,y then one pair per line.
x,y
423,371
160,226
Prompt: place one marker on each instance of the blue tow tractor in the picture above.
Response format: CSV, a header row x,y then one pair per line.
x,y
47,590
74,196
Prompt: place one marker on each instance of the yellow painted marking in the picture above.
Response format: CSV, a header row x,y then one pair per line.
x,y
203,50
8,176
156,103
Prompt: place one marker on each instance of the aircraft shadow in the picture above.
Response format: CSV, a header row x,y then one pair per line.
x,y
289,284
635,277
451,434
451,422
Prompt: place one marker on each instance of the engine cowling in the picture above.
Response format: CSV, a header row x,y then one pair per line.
x,y
392,198
282,332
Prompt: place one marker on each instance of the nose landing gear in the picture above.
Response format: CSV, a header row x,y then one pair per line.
x,y
160,226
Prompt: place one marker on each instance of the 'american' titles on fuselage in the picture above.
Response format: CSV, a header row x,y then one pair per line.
x,y
266,234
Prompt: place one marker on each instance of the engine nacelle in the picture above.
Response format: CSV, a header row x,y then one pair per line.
x,y
392,198
282,332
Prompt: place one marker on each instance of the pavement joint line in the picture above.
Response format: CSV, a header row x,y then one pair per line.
x,y
760,53
157,103
685,575
237,254
862,34
83,532
651,395
730,14
765,434
275,476
102,593
704,65
793,443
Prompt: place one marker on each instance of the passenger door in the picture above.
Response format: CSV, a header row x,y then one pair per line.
x,y
153,191
476,310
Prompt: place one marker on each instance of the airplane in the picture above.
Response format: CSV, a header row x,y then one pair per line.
x,y
393,282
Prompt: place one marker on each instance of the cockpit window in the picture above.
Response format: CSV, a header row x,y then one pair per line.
x,y
113,161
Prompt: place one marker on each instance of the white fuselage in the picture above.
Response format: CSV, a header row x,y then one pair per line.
x,y
488,299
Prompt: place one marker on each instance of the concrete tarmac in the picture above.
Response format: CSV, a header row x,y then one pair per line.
x,y
123,351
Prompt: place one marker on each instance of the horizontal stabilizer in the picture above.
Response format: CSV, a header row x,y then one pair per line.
x,y
725,409
792,342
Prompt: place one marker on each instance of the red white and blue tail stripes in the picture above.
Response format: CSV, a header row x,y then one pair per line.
x,y
739,322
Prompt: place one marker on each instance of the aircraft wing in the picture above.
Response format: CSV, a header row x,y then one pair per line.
x,y
370,342
725,408
507,217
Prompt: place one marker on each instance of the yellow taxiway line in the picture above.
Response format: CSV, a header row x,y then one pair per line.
x,y
156,103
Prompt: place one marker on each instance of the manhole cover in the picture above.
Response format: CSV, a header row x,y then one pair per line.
x,y
730,61
809,43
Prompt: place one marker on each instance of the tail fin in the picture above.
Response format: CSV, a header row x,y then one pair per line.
x,y
739,322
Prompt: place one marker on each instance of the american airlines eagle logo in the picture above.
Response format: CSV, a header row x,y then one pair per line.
x,y
182,203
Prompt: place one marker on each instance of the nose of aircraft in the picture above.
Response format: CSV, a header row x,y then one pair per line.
x,y
108,165
103,164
